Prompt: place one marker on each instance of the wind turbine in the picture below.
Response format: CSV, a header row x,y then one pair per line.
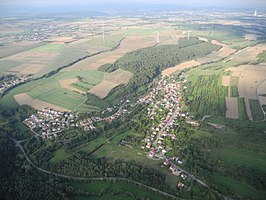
x,y
103,32
157,35
188,35
255,13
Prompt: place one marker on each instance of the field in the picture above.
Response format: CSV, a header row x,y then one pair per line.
x,y
102,89
59,155
256,110
25,99
119,77
226,81
181,66
128,44
67,83
232,108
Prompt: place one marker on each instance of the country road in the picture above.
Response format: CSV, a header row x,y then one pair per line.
x,y
87,178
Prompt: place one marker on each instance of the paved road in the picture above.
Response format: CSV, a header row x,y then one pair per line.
x,y
165,126
87,178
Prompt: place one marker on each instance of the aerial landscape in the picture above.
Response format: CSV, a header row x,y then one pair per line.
x,y
123,100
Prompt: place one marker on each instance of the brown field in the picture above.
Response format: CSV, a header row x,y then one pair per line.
x,y
27,68
247,105
226,81
25,99
231,108
248,54
181,66
67,84
101,90
250,79
130,43
225,50
118,77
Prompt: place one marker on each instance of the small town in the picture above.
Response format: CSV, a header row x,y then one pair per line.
x,y
10,80
164,108
48,123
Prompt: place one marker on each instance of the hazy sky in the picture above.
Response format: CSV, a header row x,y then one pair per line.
x,y
178,2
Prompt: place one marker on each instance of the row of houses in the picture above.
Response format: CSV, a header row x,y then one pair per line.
x,y
8,81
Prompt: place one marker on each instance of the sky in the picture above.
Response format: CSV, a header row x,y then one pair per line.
x,y
98,4
177,2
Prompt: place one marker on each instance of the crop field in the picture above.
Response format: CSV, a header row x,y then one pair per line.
x,y
249,54
102,89
5,65
226,81
231,108
25,99
251,77
67,84
128,44
17,47
242,114
119,77
256,110
181,66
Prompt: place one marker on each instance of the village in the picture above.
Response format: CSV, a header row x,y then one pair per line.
x,y
11,80
164,108
49,123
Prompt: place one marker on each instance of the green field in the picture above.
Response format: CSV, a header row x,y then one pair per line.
x,y
48,48
256,111
59,155
6,65
49,90
242,109
118,186
104,197
238,187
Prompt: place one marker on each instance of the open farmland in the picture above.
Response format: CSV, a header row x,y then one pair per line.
x,y
231,108
130,43
25,99
67,84
181,66
119,76
248,54
101,90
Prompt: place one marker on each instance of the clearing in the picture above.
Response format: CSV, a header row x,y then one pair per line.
x,y
119,76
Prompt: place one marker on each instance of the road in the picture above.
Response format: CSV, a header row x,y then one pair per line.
x,y
159,135
18,144
177,167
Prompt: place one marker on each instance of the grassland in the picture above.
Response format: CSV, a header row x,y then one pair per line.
x,y
256,111
242,114
59,155
5,65
97,187
238,187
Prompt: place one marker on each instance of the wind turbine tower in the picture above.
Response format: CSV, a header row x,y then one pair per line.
x,y
188,35
157,35
103,32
